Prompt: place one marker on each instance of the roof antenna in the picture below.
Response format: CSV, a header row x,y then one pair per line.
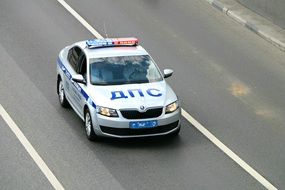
x,y
105,30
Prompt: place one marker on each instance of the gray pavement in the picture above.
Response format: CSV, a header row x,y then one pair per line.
x,y
227,78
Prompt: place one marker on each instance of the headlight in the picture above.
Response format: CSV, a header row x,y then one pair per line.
x,y
171,107
107,111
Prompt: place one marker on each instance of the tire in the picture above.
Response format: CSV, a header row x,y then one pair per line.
x,y
89,127
61,94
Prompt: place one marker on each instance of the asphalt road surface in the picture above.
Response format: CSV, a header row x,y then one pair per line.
x,y
227,78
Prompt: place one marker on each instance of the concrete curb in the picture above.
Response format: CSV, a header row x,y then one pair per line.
x,y
221,7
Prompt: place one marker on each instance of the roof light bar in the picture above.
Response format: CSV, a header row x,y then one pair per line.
x,y
111,42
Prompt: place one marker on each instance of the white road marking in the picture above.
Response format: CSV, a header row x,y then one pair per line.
x,y
30,149
80,19
228,151
189,118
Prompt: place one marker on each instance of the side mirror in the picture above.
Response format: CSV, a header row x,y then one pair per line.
x,y
78,79
167,73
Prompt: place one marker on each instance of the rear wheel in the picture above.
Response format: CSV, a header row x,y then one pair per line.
x,y
61,95
89,127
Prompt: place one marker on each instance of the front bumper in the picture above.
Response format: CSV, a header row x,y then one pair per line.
x,y
119,127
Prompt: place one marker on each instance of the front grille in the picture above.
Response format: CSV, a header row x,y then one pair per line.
x,y
130,132
134,114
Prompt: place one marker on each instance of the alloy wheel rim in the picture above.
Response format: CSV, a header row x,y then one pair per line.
x,y
61,92
88,124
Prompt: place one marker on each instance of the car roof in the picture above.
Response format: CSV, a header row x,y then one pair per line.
x,y
111,51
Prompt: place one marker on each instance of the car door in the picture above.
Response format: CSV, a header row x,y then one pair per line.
x,y
80,95
71,90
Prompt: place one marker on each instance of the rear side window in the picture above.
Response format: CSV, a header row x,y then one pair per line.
x,y
73,56
81,65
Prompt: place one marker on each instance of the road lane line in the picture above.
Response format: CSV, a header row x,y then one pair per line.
x,y
228,151
30,149
80,19
188,117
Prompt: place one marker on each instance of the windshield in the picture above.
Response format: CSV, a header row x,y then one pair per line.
x,y
123,70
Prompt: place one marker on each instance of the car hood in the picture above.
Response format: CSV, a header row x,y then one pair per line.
x,y
133,96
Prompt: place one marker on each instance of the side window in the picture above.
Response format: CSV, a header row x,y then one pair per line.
x,y
82,66
73,57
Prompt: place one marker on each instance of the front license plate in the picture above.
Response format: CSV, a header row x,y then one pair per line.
x,y
143,124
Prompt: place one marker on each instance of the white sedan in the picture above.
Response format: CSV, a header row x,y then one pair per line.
x,y
116,88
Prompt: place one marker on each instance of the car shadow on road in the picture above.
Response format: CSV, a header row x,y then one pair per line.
x,y
187,136
142,142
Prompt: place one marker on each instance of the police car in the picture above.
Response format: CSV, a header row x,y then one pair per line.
x,y
116,88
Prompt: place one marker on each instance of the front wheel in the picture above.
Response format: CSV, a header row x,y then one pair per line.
x,y
89,127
